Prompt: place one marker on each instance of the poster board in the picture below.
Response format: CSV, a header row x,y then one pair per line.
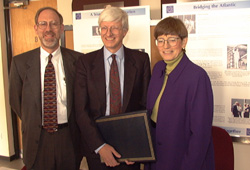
x,y
219,40
87,37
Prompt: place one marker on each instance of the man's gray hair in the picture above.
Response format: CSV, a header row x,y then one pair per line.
x,y
114,14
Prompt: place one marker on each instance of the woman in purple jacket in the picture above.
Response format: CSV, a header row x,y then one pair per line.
x,y
180,104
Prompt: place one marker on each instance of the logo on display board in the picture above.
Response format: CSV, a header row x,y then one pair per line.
x,y
78,16
170,9
248,132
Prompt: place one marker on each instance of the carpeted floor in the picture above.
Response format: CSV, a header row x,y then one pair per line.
x,y
4,168
18,164
11,165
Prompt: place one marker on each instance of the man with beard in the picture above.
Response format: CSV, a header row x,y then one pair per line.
x,y
41,94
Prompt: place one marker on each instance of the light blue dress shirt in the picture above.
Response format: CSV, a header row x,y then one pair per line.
x,y
107,63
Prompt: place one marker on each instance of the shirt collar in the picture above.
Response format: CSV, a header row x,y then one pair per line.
x,y
119,53
173,63
45,54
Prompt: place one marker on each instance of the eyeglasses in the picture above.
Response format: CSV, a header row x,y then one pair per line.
x,y
43,24
171,41
113,30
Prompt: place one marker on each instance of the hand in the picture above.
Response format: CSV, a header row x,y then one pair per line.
x,y
129,163
107,153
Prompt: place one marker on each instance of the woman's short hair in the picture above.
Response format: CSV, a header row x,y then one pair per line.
x,y
48,8
171,26
114,14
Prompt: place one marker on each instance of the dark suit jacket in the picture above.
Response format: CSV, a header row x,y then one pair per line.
x,y
25,98
235,111
90,91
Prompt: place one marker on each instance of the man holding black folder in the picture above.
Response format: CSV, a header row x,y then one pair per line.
x,y
111,80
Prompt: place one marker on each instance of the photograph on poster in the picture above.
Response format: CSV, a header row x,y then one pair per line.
x,y
189,21
240,108
95,31
247,109
237,107
237,57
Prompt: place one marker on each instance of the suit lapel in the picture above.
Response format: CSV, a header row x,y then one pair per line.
x,y
129,77
156,82
34,76
98,76
69,69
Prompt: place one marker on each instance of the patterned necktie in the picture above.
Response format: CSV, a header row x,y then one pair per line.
x,y
49,96
115,90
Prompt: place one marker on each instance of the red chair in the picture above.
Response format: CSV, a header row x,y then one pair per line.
x,y
223,149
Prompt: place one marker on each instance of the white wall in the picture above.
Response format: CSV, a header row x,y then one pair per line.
x,y
155,8
241,156
64,7
6,133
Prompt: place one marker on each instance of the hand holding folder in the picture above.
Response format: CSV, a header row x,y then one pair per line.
x,y
129,134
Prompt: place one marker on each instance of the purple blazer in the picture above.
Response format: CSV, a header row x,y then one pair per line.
x,y
182,136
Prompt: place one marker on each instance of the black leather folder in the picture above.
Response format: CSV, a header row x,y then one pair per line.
x,y
129,134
